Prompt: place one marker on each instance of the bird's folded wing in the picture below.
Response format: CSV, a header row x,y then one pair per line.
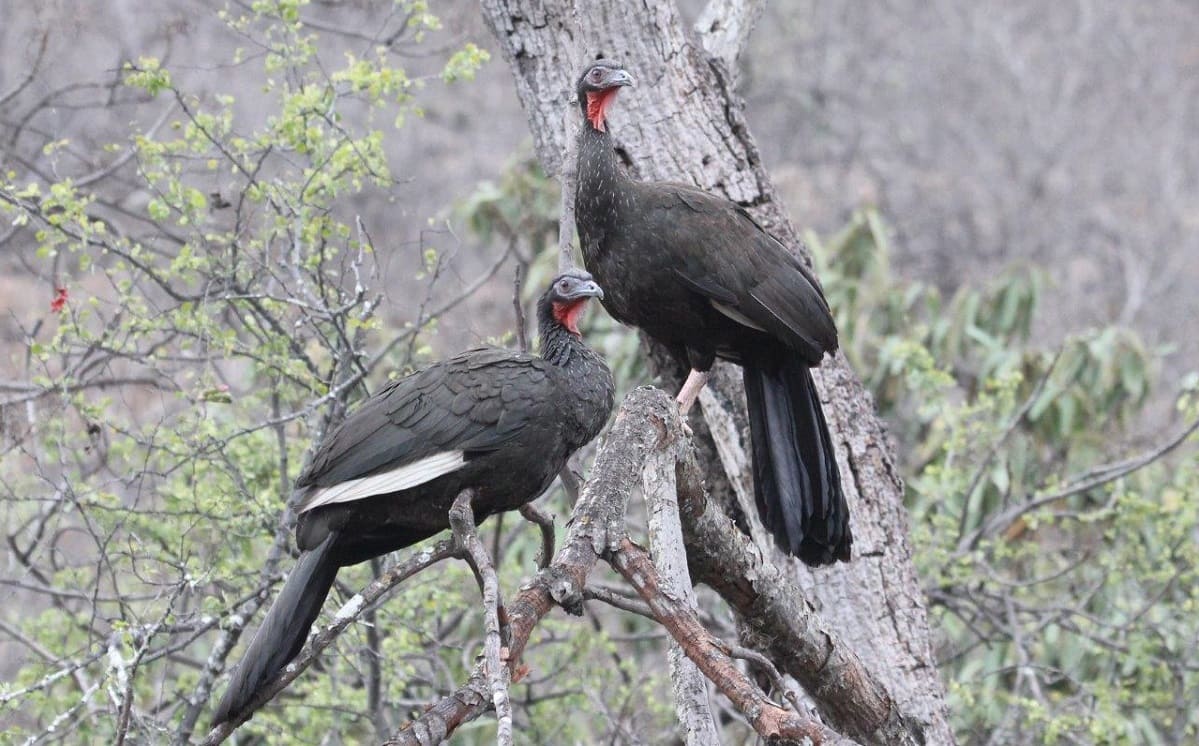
x,y
746,273
421,426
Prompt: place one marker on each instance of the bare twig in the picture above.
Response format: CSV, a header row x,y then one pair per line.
x,y
29,76
764,663
545,524
466,540
616,600
571,481
522,337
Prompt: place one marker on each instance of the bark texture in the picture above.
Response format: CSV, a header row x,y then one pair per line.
x,y
684,122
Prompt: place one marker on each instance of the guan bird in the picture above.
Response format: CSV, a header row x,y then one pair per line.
x,y
495,420
697,274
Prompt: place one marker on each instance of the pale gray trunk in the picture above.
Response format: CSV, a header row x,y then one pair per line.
x,y
683,122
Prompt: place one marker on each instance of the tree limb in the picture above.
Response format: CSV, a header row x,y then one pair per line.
x,y
659,488
466,540
766,717
724,27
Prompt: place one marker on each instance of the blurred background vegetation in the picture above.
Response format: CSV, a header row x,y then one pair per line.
x,y
256,214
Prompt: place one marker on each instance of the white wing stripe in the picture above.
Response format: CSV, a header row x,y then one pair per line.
x,y
735,315
400,478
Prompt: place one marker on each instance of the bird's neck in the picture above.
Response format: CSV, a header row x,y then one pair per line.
x,y
601,178
559,345
588,376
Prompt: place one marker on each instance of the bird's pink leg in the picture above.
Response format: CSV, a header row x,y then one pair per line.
x,y
690,391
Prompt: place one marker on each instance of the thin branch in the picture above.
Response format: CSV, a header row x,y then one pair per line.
x,y
24,82
1094,478
768,719
522,337
545,524
617,601
466,540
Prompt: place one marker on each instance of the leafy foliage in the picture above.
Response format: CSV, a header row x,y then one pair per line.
x,y
197,342
182,370
1064,588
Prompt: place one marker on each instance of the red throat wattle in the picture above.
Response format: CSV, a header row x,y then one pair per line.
x,y
567,314
597,107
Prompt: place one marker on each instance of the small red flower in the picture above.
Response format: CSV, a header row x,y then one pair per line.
x,y
60,300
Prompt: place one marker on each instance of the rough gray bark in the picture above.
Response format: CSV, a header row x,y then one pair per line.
x,y
683,122
660,489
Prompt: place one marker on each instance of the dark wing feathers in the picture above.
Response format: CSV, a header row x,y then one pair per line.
x,y
707,287
474,401
729,258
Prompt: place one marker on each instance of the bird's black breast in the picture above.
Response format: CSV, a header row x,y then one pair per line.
x,y
634,259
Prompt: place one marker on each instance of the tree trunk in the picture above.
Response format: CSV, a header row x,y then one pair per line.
x,y
684,122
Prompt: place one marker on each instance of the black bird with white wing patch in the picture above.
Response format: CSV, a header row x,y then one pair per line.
x,y
495,420
696,273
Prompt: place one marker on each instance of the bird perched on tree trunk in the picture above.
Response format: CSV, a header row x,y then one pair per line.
x,y
498,421
696,273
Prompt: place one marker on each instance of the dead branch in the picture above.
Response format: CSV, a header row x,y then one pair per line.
x,y
545,524
522,338
466,540
767,718
660,491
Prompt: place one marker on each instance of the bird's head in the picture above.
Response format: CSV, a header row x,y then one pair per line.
x,y
597,89
566,297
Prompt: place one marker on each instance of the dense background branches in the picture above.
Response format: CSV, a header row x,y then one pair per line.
x,y
224,225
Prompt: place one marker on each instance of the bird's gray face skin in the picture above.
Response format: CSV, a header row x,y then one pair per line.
x,y
602,77
574,286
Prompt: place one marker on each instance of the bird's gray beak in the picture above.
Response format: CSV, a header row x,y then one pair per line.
x,y
619,78
588,289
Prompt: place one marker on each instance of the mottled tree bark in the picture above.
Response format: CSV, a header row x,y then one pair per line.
x,y
684,122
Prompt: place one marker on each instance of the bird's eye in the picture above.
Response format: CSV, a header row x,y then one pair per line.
x,y
596,74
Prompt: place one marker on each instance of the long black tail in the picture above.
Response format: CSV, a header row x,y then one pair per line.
x,y
283,631
796,482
